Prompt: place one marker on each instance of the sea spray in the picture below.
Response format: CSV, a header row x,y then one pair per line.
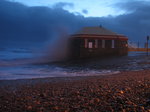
x,y
56,49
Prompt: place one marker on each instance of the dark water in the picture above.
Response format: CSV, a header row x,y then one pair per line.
x,y
24,64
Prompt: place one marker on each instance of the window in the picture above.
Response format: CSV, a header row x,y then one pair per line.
x,y
103,43
86,43
96,43
108,44
90,45
113,44
99,43
123,44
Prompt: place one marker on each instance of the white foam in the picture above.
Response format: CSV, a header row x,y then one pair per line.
x,y
13,73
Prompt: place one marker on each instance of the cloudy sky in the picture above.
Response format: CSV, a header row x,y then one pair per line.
x,y
34,21
95,8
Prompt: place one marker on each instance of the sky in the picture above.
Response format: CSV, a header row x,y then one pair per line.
x,y
94,8
37,21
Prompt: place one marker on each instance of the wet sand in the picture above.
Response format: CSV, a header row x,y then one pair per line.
x,y
124,92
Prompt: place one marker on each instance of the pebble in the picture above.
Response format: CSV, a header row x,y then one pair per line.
x,y
125,92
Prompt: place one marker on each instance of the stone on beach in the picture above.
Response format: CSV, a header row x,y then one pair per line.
x,y
126,91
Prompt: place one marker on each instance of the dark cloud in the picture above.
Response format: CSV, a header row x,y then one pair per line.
x,y
131,6
136,22
20,24
63,4
84,11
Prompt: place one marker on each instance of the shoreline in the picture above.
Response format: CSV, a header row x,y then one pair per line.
x,y
32,81
125,91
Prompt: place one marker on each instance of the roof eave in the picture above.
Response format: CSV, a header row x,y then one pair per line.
x,y
122,37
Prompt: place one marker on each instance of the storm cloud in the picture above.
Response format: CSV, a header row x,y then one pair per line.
x,y
21,24
63,4
85,11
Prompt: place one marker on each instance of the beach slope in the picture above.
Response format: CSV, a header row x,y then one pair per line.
x,y
124,92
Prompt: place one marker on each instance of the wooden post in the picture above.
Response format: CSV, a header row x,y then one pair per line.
x,y
138,44
147,44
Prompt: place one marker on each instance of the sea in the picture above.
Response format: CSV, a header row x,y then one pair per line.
x,y
24,63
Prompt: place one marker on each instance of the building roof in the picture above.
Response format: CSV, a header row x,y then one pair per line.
x,y
96,31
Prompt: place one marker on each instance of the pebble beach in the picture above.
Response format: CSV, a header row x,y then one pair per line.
x,y
127,91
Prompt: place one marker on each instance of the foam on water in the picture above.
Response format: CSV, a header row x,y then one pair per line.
x,y
21,64
30,72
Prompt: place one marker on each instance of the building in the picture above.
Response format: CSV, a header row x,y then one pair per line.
x,y
97,42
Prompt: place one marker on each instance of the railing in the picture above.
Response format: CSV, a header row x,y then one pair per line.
x,y
138,49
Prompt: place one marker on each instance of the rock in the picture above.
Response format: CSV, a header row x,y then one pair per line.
x,y
29,107
147,102
56,108
122,92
